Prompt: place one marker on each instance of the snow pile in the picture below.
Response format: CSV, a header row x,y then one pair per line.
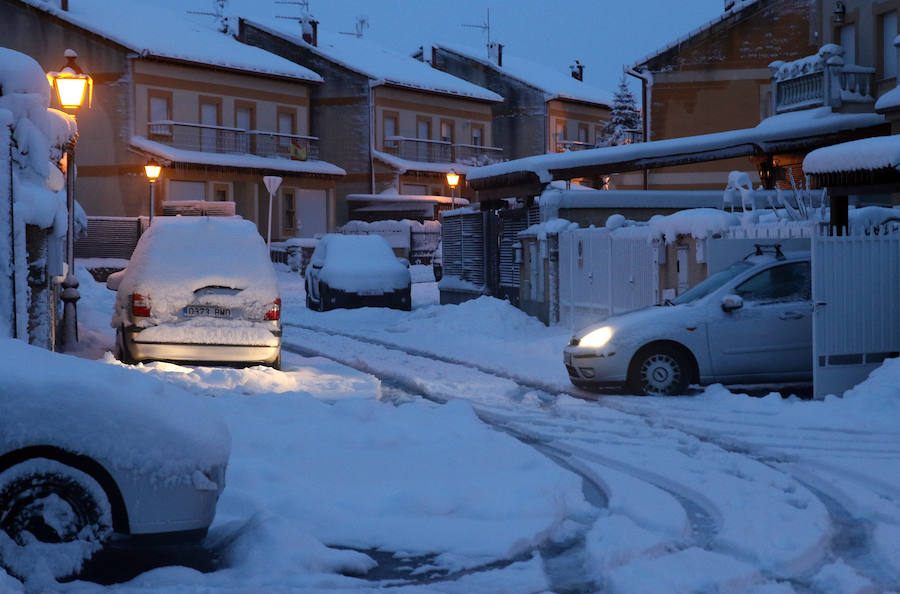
x,y
551,227
177,256
356,263
699,223
120,418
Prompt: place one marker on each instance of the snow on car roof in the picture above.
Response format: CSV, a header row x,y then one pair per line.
x,y
111,414
137,27
382,65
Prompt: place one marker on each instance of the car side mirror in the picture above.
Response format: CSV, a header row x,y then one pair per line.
x,y
732,302
114,280
317,265
404,261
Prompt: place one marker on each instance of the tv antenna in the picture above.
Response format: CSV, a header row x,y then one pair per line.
x,y
218,12
362,23
485,26
304,4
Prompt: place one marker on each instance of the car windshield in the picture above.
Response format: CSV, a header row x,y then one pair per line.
x,y
712,283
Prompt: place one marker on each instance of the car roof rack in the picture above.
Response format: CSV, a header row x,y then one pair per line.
x,y
768,248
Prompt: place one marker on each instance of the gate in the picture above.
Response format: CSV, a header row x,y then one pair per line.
x,y
856,297
513,221
605,272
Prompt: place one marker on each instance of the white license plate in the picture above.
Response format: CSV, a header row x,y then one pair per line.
x,y
370,292
209,311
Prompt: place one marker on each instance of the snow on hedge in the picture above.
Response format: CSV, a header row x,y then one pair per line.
x,y
132,421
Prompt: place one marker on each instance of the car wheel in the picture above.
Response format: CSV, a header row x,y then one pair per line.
x,y
407,306
276,364
323,296
55,516
660,371
122,353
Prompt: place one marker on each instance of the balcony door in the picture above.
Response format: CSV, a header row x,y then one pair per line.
x,y
210,117
245,119
423,132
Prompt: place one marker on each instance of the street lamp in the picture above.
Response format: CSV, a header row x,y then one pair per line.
x,y
152,170
452,181
71,84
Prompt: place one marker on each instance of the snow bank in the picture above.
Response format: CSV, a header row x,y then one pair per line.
x,y
105,412
699,223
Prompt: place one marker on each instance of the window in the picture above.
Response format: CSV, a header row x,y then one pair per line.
x,y
560,135
583,133
159,109
390,130
287,124
245,119
477,134
210,118
221,192
289,209
788,282
888,51
847,36
447,130
185,190
423,131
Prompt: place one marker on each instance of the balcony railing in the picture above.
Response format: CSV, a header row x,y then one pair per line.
x,y
822,79
441,151
222,139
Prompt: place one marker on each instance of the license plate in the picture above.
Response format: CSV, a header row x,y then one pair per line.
x,y
209,311
371,292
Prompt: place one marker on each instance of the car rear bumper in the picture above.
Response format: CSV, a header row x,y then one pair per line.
x,y
224,353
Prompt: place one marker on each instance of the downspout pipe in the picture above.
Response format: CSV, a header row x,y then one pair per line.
x,y
646,89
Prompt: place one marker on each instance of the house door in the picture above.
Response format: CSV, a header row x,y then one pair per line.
x,y
681,266
312,212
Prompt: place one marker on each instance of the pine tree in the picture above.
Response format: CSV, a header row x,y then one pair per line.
x,y
625,116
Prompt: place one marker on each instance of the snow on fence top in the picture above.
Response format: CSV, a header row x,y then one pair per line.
x,y
555,84
696,222
381,65
138,26
881,152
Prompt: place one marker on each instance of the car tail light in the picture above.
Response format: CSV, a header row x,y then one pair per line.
x,y
273,310
140,305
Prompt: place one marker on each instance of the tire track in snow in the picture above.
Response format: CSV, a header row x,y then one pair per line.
x,y
702,520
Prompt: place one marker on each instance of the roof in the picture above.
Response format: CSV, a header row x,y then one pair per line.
x,y
404,165
135,26
245,161
868,154
739,5
555,84
381,65
632,199
789,131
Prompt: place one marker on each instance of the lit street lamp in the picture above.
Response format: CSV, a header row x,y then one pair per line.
x,y
71,85
152,170
452,181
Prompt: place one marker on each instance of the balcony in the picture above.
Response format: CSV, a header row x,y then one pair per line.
x,y
441,151
821,80
222,139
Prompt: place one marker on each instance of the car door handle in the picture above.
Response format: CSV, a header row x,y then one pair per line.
x,y
791,315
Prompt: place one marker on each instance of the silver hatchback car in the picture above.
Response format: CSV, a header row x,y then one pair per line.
x,y
749,323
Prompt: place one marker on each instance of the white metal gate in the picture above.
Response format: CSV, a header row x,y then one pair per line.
x,y
605,272
856,297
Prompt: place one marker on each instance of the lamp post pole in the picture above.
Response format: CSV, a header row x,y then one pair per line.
x,y
70,294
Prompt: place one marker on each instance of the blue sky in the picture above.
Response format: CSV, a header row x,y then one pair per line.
x,y
602,34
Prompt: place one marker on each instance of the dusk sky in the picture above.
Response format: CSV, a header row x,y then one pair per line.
x,y
602,34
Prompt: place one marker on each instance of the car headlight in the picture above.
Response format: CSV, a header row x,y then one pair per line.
x,y
597,338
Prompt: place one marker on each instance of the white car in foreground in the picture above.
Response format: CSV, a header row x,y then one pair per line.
x,y
357,271
93,455
198,289
749,323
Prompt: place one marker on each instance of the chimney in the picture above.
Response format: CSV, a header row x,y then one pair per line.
x,y
64,4
310,27
495,52
577,70
434,56
729,4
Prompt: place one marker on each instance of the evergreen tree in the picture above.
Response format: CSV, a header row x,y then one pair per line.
x,y
625,116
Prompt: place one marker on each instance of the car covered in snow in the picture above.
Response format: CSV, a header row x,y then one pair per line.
x,y
198,289
94,456
357,271
750,323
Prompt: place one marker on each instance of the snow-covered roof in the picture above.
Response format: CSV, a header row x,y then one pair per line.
x,y
783,131
151,30
381,65
555,84
404,165
397,198
247,161
738,6
882,152
888,101
631,198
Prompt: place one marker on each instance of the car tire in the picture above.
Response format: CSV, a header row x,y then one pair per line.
x,y
309,303
408,305
323,296
54,504
276,364
122,353
660,371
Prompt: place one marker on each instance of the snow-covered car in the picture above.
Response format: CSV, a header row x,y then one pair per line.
x,y
356,271
437,262
749,323
198,289
93,455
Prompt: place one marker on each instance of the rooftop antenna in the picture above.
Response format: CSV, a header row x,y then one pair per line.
x,y
218,12
307,23
362,23
485,26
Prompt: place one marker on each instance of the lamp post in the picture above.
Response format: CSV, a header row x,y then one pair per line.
x,y
452,181
152,170
271,182
71,84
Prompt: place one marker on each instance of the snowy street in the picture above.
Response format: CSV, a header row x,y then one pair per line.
x,y
444,450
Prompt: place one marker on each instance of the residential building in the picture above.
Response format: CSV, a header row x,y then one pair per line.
x,y
216,114
394,124
543,110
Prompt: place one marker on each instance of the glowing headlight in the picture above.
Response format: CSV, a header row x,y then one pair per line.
x,y
597,338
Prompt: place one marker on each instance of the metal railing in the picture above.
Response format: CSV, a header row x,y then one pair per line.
x,y
441,151
222,139
822,79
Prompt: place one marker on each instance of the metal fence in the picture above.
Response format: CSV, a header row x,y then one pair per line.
x,y
222,139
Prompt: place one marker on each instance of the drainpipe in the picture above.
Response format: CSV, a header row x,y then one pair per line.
x,y
372,141
646,90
